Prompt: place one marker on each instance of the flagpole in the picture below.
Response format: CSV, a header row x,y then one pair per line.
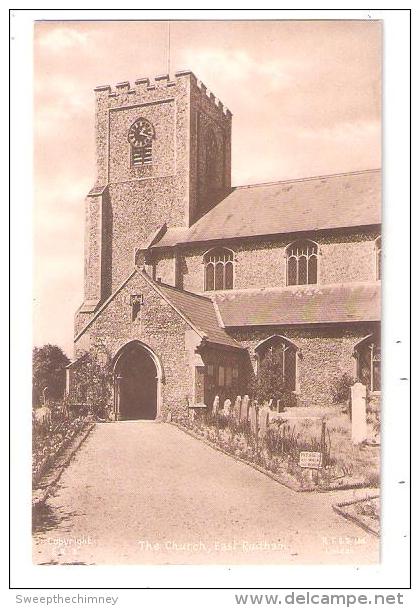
x,y
169,47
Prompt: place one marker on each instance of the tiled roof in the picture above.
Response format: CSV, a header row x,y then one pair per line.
x,y
200,311
318,203
341,303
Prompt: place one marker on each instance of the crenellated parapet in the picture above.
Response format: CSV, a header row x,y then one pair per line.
x,y
142,88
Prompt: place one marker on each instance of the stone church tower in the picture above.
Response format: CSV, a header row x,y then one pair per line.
x,y
163,152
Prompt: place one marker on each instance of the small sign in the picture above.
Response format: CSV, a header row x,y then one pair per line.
x,y
310,460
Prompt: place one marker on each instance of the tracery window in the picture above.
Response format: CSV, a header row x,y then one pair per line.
x,y
302,263
285,357
368,356
378,256
218,269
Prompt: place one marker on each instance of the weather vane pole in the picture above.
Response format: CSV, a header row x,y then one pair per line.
x,y
169,47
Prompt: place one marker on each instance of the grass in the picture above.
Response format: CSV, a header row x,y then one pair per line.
x,y
346,465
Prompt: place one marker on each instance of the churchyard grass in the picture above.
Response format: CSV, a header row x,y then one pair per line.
x,y
277,451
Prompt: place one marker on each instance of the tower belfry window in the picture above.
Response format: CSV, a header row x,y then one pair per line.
x,y
140,137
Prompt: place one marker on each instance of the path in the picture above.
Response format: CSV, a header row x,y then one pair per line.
x,y
144,492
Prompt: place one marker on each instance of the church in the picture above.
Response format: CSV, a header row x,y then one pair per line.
x,y
189,282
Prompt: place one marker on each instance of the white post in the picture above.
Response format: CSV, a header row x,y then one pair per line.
x,y
358,413
68,381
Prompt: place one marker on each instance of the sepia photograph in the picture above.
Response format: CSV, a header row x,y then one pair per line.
x,y
207,292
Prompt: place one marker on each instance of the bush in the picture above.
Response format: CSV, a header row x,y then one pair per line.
x,y
269,382
92,381
340,388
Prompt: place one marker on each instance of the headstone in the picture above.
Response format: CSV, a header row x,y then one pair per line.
x,y
237,409
215,407
244,407
263,420
253,418
358,413
227,407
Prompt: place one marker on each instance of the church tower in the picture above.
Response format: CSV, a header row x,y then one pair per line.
x,y
163,152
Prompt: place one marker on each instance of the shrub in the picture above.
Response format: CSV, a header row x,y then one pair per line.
x,y
340,388
92,384
269,382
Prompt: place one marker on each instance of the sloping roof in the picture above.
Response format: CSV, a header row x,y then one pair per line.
x,y
200,311
341,303
318,203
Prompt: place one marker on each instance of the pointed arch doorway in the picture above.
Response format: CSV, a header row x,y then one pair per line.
x,y
137,381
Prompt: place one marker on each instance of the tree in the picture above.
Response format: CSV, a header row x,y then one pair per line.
x,y
269,382
48,371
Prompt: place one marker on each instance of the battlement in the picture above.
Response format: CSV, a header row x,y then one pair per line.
x,y
162,81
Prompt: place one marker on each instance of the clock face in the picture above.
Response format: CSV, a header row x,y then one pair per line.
x,y
140,133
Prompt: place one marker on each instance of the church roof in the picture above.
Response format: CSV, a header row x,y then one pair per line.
x,y
199,310
303,304
317,203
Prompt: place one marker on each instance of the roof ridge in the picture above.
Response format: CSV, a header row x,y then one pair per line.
x,y
105,304
304,179
157,287
190,293
253,290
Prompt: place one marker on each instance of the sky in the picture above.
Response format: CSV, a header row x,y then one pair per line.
x,y
305,98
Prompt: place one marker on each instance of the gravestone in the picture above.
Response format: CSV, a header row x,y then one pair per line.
x,y
263,420
245,408
215,407
227,407
237,409
253,418
358,413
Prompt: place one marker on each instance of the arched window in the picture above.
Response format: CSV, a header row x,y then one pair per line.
x,y
368,357
211,160
378,255
140,137
302,263
218,265
281,356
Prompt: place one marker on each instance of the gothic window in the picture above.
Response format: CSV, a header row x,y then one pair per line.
x,y
284,359
378,255
140,137
368,357
211,161
218,269
302,263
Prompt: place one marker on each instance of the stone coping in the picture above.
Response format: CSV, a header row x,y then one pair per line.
x,y
344,509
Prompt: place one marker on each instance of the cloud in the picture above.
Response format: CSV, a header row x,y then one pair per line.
x,y
61,39
236,65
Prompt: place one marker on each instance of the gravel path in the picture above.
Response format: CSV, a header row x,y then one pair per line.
x,y
143,492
